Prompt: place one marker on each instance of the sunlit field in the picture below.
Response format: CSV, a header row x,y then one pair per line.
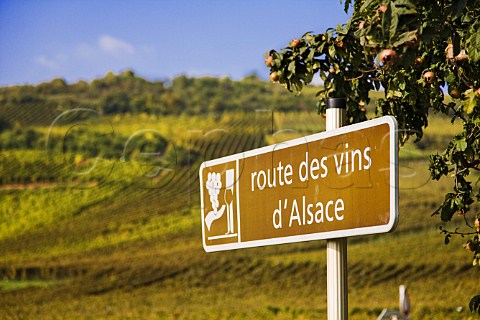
x,y
116,233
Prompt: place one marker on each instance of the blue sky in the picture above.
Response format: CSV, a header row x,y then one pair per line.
x,y
84,39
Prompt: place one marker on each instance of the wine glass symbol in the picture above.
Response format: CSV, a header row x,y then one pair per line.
x,y
228,197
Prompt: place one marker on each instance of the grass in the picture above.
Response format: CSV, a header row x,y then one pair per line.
x,y
13,285
23,210
130,247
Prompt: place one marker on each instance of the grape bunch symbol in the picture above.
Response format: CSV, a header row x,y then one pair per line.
x,y
214,185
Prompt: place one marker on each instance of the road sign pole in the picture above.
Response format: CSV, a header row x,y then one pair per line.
x,y
337,276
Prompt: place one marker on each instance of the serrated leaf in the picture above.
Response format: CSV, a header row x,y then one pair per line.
x,y
347,5
473,45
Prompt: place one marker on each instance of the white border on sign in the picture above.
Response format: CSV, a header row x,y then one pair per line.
x,y
392,123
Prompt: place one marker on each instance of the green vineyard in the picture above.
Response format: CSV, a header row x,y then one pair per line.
x,y
104,222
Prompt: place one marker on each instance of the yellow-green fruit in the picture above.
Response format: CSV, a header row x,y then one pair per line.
x,y
470,246
274,76
449,52
268,61
295,43
429,76
455,93
382,9
462,57
388,57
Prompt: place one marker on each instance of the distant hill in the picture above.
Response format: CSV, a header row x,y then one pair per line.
x,y
127,93
100,209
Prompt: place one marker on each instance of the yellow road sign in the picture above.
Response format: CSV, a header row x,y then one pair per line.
x,y
333,184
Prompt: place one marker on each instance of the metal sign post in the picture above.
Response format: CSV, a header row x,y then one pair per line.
x,y
309,188
337,275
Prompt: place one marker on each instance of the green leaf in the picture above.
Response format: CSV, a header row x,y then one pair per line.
x,y
401,11
447,239
366,5
394,22
291,67
405,37
474,304
448,208
386,21
306,34
470,104
332,51
461,144
458,7
347,5
473,45
398,94
405,3
427,34
466,19
446,213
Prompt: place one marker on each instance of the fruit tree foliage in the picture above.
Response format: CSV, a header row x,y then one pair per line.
x,y
416,52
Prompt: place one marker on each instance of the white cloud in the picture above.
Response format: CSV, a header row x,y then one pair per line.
x,y
101,53
46,62
114,46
